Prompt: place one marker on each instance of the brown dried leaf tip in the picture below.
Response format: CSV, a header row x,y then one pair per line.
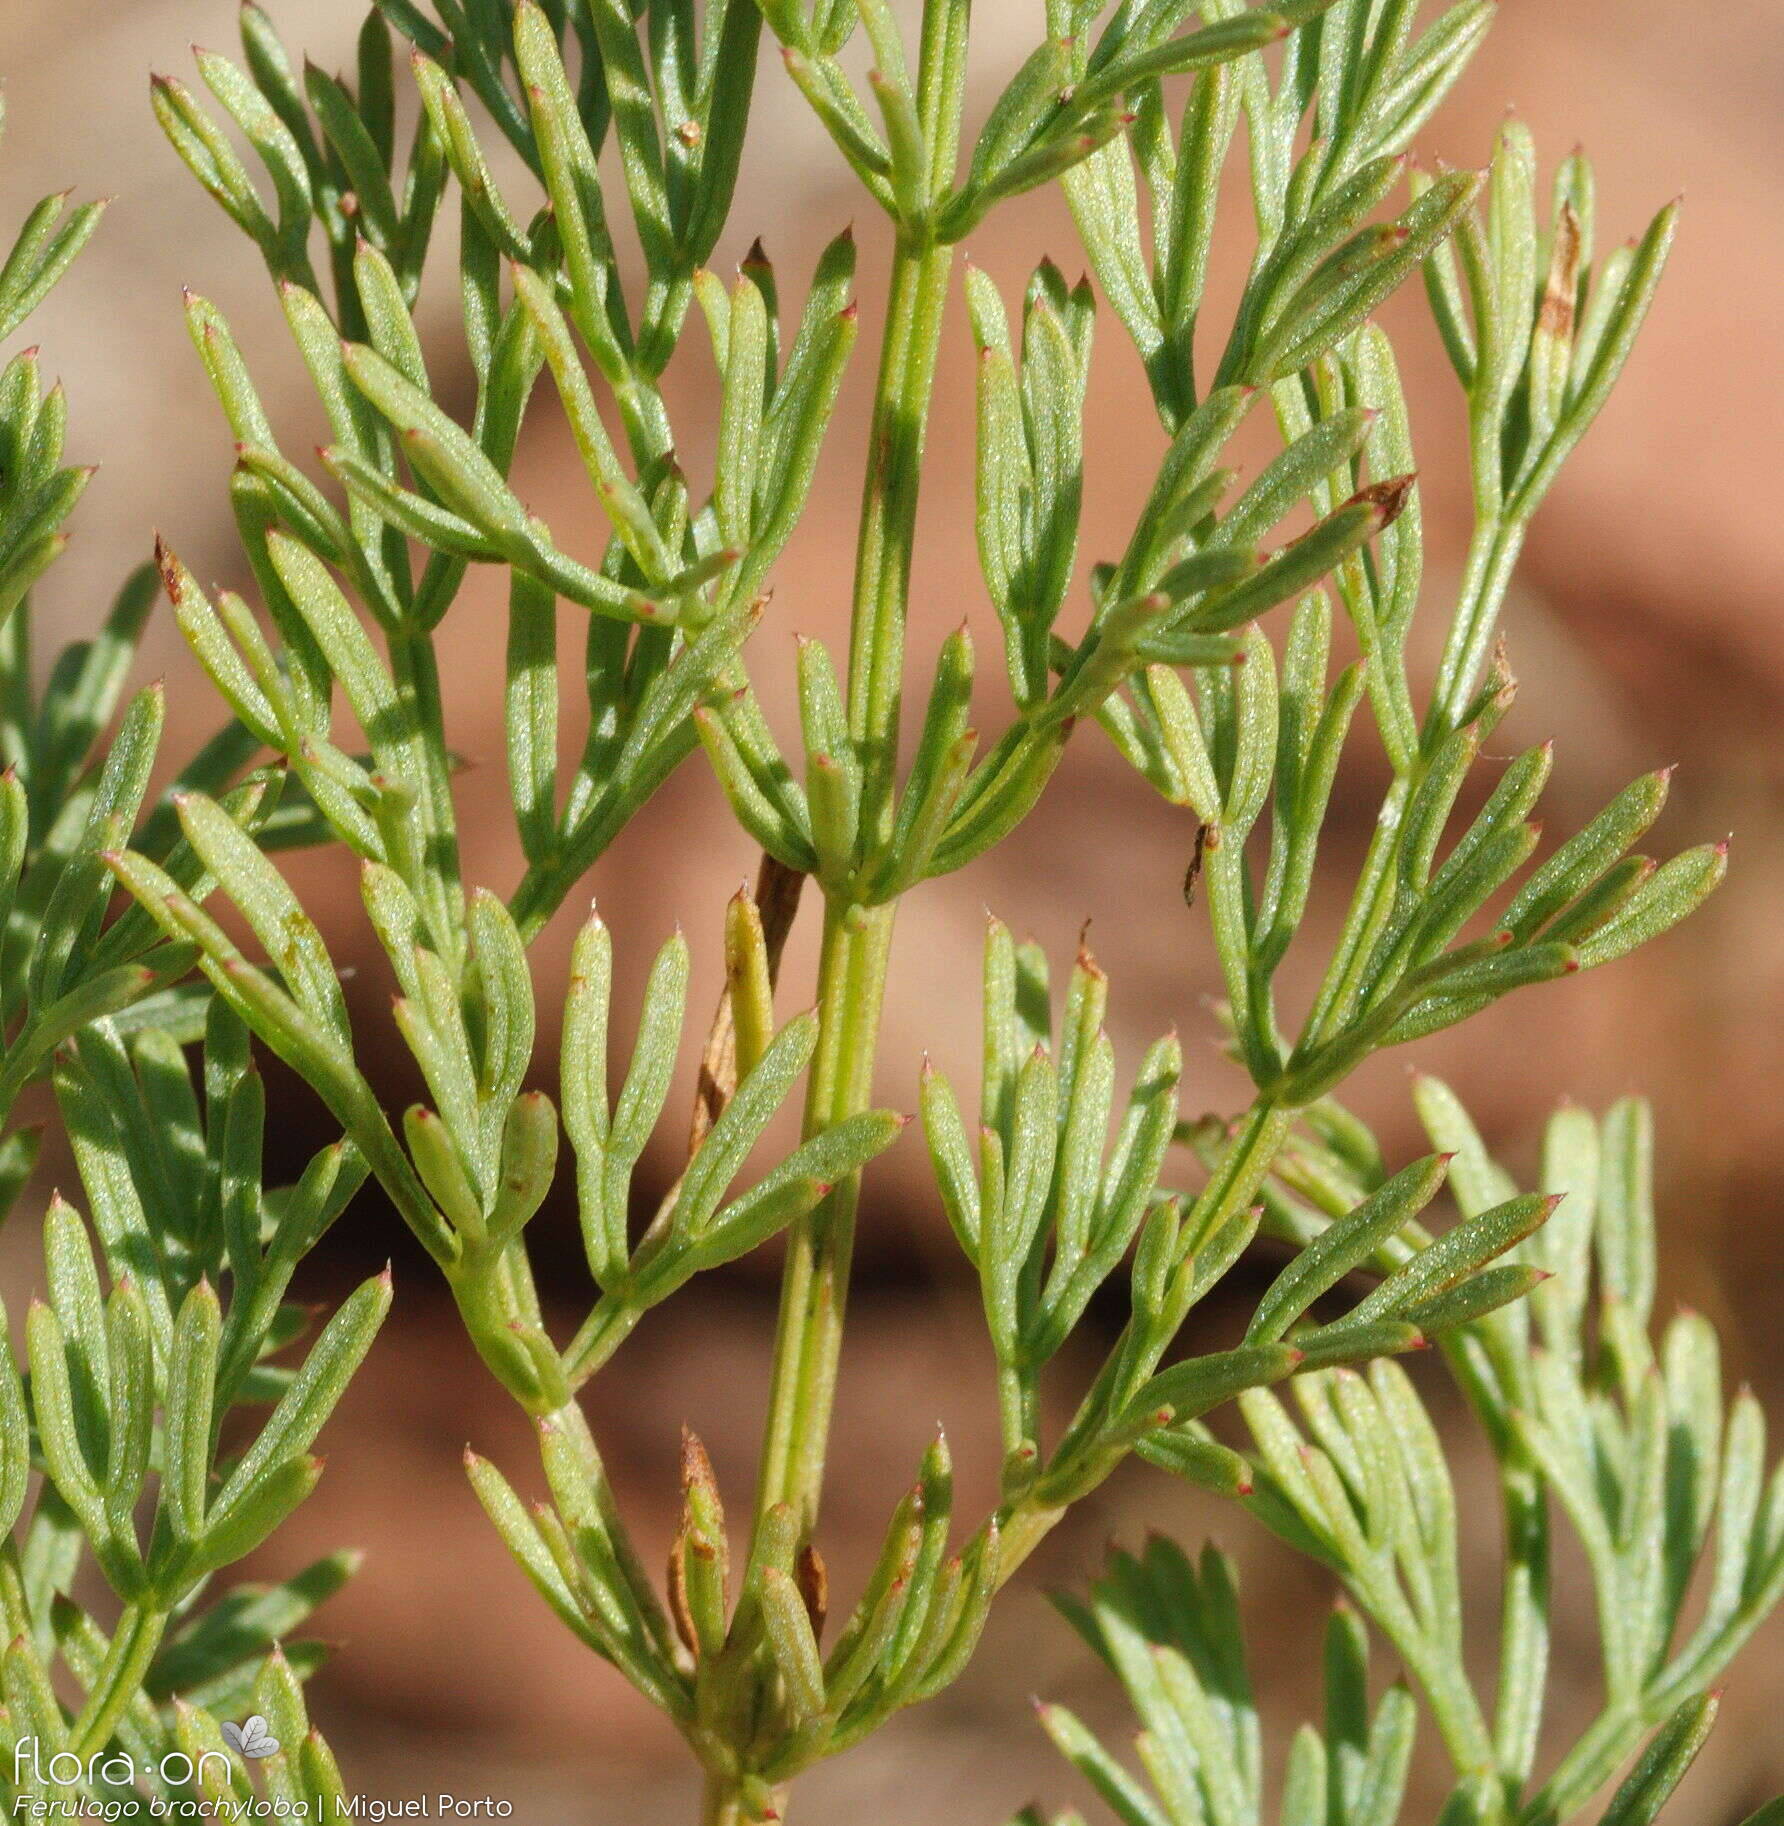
x,y
676,1586
1388,498
1193,873
699,1487
1556,317
814,1587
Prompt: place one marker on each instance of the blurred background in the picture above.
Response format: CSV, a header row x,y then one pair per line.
x,y
1645,628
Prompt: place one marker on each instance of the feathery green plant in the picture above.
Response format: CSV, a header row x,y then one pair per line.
x,y
1583,1416
1206,652
166,1316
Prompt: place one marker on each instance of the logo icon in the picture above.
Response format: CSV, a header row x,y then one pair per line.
x,y
251,1738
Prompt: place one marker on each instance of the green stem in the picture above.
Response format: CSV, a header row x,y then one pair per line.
x,y
852,968
1012,1408
1587,1766
601,1334
1525,1594
888,524
1083,1461
545,885
724,1805
1436,1667
415,670
133,1647
500,1310
1523,1624
1491,557
1454,1707
720,1805
1369,906
814,1287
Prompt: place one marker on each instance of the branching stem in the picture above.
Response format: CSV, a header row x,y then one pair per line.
x,y
814,1287
857,938
722,1806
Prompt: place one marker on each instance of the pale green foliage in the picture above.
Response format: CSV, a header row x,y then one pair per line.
x,y
165,1314
198,1260
1208,649
1586,1419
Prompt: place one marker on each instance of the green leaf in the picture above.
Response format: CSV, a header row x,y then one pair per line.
x,y
1296,567
821,81
238,1527
646,1088
53,1401
312,1397
528,1164
285,1027
950,1152
1203,1462
1029,96
1047,161
1338,297
1217,43
243,1625
1192,1387
293,944
1676,889
1624,1234
1350,1242
812,1168
1585,857
1455,1255
793,1645
15,1432
1670,1752
740,1124
1597,363
1125,1798
78,900
747,386
451,461
503,988
619,497
1351,1340
525,1542
191,1387
40,255
584,1079
1474,1298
